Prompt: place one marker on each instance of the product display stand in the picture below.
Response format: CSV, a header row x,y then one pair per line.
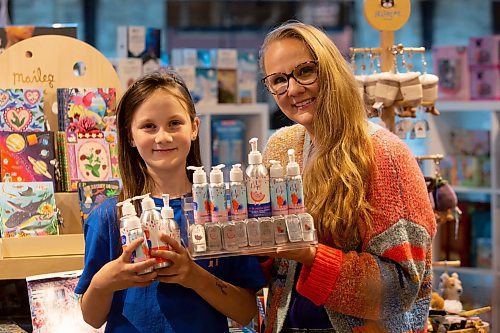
x,y
51,62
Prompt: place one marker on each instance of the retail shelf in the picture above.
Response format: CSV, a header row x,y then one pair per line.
x,y
232,109
476,190
466,270
20,268
467,106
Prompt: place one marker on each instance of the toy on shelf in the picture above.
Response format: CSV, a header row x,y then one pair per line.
x,y
442,196
451,289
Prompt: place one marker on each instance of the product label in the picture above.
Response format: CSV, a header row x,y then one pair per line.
x,y
229,234
201,204
259,201
142,252
253,232
218,207
214,237
157,227
198,238
295,196
279,205
239,202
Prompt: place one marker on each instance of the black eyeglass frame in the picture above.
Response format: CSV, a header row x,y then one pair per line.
x,y
290,75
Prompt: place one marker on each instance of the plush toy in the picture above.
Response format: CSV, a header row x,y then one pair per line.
x,y
451,290
443,199
437,302
410,91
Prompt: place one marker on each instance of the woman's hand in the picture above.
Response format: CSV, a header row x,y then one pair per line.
x,y
304,255
182,266
122,274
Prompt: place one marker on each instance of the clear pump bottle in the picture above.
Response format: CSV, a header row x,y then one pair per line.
x,y
217,192
257,181
167,215
130,230
153,226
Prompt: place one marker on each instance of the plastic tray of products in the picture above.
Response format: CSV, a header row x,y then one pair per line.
x,y
252,236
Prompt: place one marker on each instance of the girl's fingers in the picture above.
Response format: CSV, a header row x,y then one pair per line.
x,y
127,251
143,265
173,243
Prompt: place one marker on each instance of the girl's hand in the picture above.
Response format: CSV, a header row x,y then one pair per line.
x,y
182,269
122,274
303,255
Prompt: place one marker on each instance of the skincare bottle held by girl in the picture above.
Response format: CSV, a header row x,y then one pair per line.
x,y
167,215
238,204
257,180
201,207
200,195
153,227
294,185
130,225
279,205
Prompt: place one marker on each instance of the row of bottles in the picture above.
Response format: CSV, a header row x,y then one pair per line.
x,y
263,209
254,233
260,194
150,225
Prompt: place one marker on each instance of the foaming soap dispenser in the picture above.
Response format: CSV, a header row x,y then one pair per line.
x,y
257,180
217,193
200,195
279,205
169,223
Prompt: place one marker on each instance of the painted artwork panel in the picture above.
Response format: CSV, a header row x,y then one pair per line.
x,y
21,110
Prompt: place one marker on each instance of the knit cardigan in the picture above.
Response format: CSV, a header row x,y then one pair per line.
x,y
386,285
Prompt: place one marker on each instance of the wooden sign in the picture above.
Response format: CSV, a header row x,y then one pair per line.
x,y
49,62
387,15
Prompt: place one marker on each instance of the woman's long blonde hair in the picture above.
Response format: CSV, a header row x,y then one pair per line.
x,y
337,175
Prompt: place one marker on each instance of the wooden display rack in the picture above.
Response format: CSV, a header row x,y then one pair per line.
x,y
51,62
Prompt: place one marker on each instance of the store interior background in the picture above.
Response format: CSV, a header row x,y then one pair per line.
x,y
243,24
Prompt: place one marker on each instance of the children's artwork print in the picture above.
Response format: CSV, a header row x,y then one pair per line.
x,y
93,160
54,305
28,209
27,157
92,194
21,110
87,110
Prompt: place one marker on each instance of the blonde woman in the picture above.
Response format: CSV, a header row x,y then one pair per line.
x,y
371,270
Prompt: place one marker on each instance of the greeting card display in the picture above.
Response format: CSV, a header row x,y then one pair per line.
x,y
27,156
54,304
87,157
28,209
86,110
21,110
92,194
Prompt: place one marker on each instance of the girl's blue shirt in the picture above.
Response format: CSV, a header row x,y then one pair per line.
x,y
160,307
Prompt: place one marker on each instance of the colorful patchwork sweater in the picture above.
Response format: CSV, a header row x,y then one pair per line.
x,y
385,286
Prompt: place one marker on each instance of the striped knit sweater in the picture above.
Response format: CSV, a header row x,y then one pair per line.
x,y
386,286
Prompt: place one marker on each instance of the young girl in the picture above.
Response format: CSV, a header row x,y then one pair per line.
x,y
158,139
371,271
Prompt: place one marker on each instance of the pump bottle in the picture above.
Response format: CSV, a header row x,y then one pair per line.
x,y
294,185
130,230
217,192
257,181
152,225
279,204
238,204
200,195
170,224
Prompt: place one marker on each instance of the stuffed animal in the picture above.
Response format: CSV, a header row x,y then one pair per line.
x,y
437,302
451,290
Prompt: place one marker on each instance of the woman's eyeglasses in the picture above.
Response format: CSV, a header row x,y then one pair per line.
x,y
305,73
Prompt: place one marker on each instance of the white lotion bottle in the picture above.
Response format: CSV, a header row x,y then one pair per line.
x,y
294,185
130,230
153,227
279,204
238,204
200,195
167,215
257,180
